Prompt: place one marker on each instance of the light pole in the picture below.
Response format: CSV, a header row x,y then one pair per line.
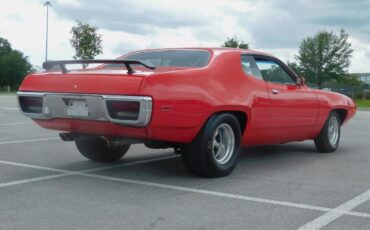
x,y
47,4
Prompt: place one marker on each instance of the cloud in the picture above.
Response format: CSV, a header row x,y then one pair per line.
x,y
137,17
267,24
275,26
284,23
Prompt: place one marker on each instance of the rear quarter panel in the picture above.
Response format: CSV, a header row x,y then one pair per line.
x,y
184,100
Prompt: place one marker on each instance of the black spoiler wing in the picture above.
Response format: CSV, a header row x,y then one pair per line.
x,y
49,65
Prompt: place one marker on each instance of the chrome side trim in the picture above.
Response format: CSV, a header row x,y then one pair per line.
x,y
55,107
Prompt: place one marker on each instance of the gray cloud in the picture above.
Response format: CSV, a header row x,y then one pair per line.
x,y
367,54
126,16
285,23
123,48
273,24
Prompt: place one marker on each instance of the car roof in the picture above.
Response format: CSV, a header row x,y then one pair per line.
x,y
213,50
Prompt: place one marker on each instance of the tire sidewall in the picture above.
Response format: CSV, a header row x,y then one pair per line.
x,y
97,150
326,132
209,130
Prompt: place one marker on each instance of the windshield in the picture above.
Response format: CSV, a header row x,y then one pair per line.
x,y
166,58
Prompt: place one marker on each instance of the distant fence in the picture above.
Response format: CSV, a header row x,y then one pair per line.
x,y
8,89
353,92
5,89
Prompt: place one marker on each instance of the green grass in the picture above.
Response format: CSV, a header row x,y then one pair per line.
x,y
363,103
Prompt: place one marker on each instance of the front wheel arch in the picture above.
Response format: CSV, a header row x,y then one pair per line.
x,y
342,113
323,139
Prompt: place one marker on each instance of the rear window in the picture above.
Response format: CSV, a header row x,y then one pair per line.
x,y
178,58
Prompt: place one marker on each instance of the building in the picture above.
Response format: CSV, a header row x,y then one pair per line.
x,y
364,77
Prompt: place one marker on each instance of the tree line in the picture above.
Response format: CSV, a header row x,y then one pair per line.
x,y
322,58
14,66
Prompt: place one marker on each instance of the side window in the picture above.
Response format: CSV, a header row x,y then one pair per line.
x,y
249,67
273,72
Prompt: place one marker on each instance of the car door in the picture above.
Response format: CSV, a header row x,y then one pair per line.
x,y
293,108
257,98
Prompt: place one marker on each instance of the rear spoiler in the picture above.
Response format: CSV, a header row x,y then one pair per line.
x,y
49,65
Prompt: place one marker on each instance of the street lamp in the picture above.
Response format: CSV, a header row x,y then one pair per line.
x,y
47,4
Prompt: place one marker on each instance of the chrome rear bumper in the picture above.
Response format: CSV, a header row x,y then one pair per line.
x,y
54,106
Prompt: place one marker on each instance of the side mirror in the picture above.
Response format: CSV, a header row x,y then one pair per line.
x,y
301,81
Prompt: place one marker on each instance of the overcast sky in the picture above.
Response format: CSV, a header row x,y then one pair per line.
x,y
274,26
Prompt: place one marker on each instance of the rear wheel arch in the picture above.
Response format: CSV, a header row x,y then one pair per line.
x,y
241,116
216,149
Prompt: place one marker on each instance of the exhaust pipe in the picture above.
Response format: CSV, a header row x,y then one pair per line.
x,y
67,136
106,140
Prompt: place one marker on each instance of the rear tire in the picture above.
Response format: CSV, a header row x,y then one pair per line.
x,y
216,149
328,139
97,149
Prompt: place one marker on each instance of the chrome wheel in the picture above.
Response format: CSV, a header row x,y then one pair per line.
x,y
216,149
223,143
333,131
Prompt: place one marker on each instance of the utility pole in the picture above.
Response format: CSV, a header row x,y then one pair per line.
x,y
47,4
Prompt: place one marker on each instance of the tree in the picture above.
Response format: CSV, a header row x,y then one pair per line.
x,y
234,42
86,41
14,66
295,67
325,56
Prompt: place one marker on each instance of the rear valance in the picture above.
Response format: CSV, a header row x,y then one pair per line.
x,y
49,65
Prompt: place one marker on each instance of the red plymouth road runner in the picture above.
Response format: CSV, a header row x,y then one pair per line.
x,y
206,103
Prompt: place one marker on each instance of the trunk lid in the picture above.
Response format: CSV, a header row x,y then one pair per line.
x,y
85,82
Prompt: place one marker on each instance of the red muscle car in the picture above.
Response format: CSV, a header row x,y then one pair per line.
x,y
206,103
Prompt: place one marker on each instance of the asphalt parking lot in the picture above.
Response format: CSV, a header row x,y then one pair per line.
x,y
46,184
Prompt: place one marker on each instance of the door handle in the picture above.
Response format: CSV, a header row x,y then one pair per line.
x,y
275,91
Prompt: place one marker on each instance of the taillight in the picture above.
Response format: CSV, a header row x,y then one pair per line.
x,y
31,104
123,110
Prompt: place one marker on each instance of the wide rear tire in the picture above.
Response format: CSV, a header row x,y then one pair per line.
x,y
328,139
97,149
216,149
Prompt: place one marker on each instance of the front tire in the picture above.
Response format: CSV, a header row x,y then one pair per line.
x,y
216,149
98,149
328,139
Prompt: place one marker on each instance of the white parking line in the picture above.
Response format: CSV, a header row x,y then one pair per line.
x,y
64,173
9,108
89,170
12,183
227,195
339,211
34,166
29,140
16,123
330,216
